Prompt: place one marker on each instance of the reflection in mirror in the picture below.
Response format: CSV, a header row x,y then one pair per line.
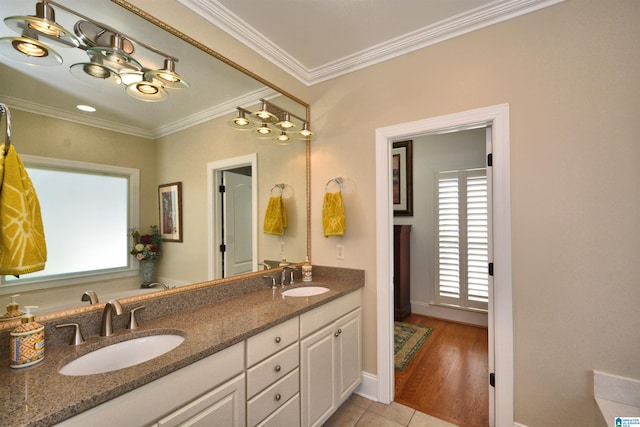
x,y
180,139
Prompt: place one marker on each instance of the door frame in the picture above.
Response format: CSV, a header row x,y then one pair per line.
x,y
501,317
214,237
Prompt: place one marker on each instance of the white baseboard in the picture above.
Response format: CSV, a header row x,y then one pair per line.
x,y
369,387
518,425
462,316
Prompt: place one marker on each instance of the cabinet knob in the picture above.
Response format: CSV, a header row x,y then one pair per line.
x,y
278,339
278,368
278,397
338,332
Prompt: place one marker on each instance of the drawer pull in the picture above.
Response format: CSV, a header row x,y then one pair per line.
x,y
338,333
278,397
278,368
278,339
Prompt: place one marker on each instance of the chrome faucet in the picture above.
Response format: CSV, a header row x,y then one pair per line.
x,y
106,327
283,277
265,265
90,296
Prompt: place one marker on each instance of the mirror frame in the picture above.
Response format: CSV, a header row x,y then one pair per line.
x,y
88,308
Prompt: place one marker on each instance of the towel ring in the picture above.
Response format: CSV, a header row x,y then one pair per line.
x,y
279,187
337,180
5,110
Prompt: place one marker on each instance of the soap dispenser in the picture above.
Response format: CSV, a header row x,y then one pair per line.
x,y
13,310
26,347
307,271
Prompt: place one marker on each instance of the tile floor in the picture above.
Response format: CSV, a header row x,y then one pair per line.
x,y
361,412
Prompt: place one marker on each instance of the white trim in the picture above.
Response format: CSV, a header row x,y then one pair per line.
x,y
368,387
498,117
475,19
450,313
213,235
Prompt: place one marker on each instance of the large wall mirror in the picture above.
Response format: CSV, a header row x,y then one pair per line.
x,y
185,138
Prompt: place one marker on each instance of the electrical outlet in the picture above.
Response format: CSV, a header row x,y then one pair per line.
x,y
339,251
283,248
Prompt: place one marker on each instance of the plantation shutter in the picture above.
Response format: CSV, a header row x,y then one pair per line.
x,y
462,239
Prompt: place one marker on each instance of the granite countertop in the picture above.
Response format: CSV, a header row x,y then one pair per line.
x,y
40,396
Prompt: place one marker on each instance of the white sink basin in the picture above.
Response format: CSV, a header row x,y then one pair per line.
x,y
305,291
122,355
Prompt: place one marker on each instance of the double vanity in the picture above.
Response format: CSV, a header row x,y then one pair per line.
x,y
231,354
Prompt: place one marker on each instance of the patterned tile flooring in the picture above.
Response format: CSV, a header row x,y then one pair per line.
x,y
358,411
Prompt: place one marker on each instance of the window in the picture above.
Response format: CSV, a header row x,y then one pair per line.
x,y
87,211
462,239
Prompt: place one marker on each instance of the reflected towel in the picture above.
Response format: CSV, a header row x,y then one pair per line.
x,y
275,218
333,220
22,245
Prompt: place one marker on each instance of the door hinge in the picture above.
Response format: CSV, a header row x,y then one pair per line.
x,y
222,189
490,269
223,248
490,159
492,379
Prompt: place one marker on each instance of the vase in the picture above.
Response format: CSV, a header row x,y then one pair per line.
x,y
148,271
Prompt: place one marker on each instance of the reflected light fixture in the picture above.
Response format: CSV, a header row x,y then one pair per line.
x,y
43,24
87,108
286,124
283,138
167,76
263,131
147,91
110,52
241,122
305,133
264,115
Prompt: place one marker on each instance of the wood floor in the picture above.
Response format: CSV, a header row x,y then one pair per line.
x,y
448,376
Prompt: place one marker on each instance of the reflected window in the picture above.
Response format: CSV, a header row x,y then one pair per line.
x,y
87,214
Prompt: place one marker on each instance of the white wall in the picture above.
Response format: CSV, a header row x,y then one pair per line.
x,y
433,153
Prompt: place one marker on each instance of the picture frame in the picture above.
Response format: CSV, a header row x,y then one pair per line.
x,y
170,211
402,173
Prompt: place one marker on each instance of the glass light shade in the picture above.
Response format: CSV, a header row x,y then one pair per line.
x,y
263,132
286,124
241,122
95,73
115,58
44,25
167,76
147,91
283,138
30,51
305,134
263,115
129,77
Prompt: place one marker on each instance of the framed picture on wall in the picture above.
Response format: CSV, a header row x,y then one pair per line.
x,y
402,178
170,208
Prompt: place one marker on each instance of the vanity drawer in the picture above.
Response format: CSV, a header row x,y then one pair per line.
x,y
272,398
287,415
266,343
271,370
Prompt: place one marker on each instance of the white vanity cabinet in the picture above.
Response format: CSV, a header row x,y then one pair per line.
x,y
330,357
273,376
210,389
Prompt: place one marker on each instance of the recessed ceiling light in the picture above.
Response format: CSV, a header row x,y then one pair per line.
x,y
86,108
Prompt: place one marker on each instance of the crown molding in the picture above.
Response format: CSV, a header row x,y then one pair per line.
x,y
455,26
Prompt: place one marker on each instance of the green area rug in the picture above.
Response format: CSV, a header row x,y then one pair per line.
x,y
407,340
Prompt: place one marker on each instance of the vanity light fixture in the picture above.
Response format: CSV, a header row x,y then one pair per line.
x,y
272,115
110,52
167,76
241,122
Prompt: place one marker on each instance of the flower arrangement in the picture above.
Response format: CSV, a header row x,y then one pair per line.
x,y
146,246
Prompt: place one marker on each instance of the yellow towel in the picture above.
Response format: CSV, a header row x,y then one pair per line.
x,y
22,245
275,218
333,220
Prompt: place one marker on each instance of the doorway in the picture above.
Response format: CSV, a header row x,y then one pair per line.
x,y
500,305
232,216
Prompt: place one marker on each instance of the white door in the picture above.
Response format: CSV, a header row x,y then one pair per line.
x,y
236,207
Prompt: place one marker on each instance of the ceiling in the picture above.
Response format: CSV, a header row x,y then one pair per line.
x,y
316,40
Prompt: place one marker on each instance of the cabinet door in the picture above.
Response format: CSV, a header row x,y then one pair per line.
x,y
348,355
223,406
317,376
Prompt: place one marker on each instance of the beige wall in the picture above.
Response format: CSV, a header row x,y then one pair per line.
x,y
570,74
